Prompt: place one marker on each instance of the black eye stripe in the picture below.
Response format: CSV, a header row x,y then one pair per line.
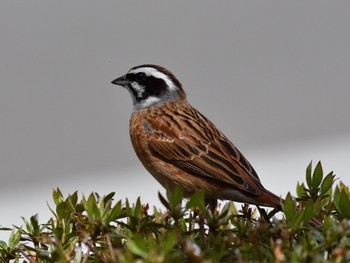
x,y
139,77
154,86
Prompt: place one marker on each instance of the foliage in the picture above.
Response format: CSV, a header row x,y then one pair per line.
x,y
314,228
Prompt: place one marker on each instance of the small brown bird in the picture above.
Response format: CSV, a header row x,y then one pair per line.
x,y
180,146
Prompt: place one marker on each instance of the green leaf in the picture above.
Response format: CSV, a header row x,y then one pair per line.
x,y
344,204
327,183
3,245
328,224
93,205
344,187
104,208
170,241
135,247
58,231
90,206
57,196
108,198
79,208
62,210
336,195
296,222
29,226
317,176
317,206
308,211
97,197
127,206
196,200
308,175
14,238
301,191
34,220
175,197
5,229
52,211
73,199
163,201
116,212
289,208
137,209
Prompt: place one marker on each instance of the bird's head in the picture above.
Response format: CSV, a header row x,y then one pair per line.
x,y
150,85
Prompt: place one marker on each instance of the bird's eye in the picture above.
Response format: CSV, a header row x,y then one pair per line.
x,y
140,76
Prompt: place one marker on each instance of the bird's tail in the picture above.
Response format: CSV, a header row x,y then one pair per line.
x,y
268,198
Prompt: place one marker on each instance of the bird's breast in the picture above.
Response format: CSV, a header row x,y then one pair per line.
x,y
140,134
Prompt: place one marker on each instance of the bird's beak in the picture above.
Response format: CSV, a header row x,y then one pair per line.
x,y
121,81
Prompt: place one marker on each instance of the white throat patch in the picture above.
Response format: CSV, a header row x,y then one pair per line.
x,y
150,101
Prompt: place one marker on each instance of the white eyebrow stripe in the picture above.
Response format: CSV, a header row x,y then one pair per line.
x,y
155,73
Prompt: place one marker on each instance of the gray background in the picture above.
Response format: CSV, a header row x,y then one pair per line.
x,y
273,75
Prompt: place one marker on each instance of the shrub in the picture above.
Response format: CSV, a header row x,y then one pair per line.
x,y
313,228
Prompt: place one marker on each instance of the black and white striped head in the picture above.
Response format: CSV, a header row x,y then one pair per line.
x,y
150,85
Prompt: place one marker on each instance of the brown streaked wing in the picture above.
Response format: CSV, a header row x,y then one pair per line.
x,y
195,146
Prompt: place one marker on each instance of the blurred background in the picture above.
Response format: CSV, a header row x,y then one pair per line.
x,y
272,75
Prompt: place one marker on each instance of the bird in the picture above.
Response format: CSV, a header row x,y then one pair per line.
x,y
180,146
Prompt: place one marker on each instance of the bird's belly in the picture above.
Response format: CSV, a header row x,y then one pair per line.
x,y
168,175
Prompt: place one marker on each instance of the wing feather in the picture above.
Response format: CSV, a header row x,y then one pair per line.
x,y
194,145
